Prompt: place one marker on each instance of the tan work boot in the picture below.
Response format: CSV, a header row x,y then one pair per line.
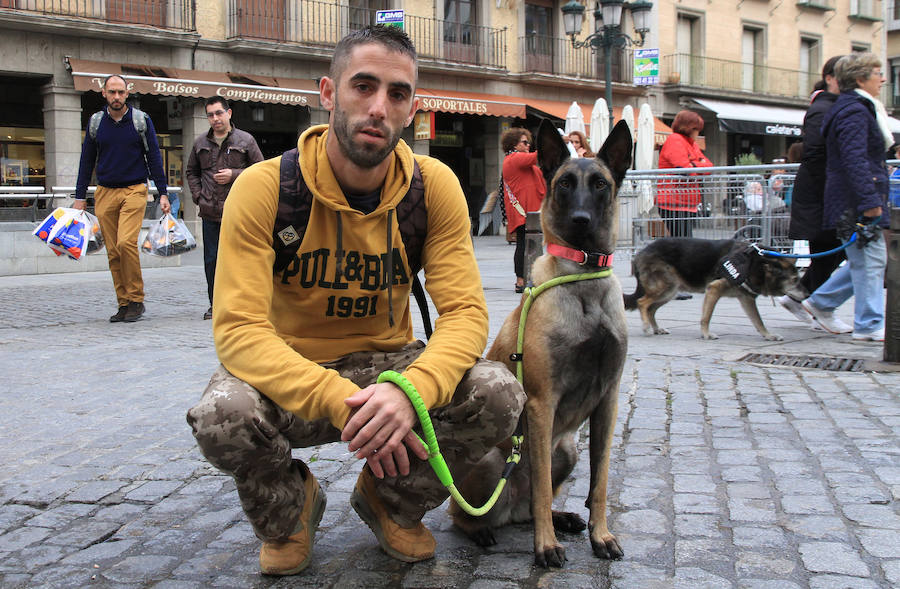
x,y
293,555
406,544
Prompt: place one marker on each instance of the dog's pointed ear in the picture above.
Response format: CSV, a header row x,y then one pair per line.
x,y
616,151
551,149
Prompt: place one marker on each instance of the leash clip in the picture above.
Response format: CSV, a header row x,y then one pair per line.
x,y
516,357
594,259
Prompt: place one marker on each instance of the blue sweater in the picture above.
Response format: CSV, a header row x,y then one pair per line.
x,y
118,153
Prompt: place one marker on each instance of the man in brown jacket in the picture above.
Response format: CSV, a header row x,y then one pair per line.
x,y
216,160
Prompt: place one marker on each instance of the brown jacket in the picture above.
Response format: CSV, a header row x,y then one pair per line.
x,y
238,151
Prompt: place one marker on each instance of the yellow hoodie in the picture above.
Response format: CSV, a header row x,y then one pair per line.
x,y
272,331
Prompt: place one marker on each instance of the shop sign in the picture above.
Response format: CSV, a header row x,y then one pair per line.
x,y
475,107
447,139
646,67
423,126
201,90
789,130
389,18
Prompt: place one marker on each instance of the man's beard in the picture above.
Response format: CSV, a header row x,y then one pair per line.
x,y
364,156
113,105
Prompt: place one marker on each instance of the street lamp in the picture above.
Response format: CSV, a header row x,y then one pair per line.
x,y
608,15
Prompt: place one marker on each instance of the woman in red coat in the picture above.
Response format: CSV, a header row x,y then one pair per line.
x,y
523,191
679,200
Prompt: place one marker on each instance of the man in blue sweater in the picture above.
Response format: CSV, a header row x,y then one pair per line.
x,y
123,162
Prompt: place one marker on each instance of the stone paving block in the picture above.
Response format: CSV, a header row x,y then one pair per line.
x,y
708,554
707,526
840,582
83,533
693,577
807,504
767,584
62,576
13,515
635,497
504,566
832,557
752,510
751,564
20,538
736,457
873,516
152,491
742,474
93,492
693,483
647,521
755,537
695,503
140,569
628,575
61,515
729,443
747,490
891,570
880,543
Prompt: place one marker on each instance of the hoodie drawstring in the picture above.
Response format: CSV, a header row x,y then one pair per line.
x,y
390,267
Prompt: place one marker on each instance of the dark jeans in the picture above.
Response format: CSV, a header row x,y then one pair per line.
x,y
679,223
210,253
519,255
820,269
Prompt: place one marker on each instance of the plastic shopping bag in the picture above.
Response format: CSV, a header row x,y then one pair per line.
x,y
168,237
70,232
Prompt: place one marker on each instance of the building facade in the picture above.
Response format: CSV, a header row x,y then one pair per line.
x,y
484,65
748,66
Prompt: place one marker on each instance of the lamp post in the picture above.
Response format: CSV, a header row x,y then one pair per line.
x,y
607,31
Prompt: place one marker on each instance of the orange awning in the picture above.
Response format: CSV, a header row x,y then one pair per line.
x,y
470,103
559,110
145,79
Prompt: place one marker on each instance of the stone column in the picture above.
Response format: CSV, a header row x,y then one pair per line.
x,y
62,134
194,123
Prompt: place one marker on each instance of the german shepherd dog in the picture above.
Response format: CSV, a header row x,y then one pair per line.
x,y
674,264
574,349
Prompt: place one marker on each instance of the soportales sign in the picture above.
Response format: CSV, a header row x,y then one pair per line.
x,y
646,67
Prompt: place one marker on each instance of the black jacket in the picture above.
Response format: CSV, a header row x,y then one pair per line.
x,y
809,186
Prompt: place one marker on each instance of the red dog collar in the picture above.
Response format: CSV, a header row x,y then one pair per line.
x,y
580,256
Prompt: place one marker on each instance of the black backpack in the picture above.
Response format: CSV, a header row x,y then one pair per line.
x,y
294,204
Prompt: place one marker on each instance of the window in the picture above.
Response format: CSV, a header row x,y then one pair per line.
x,y
459,30
538,37
362,12
810,59
688,49
752,56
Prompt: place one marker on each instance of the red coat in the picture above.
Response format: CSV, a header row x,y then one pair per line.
x,y
524,180
680,151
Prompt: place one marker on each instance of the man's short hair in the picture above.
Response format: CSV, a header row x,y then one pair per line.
x,y
111,76
512,136
853,67
392,38
216,100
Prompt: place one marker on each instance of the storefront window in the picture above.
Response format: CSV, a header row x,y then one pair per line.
x,y
170,148
22,156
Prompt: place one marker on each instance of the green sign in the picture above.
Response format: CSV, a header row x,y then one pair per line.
x,y
646,67
389,18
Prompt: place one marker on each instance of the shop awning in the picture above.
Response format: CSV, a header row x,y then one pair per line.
x,y
145,79
557,110
470,103
755,119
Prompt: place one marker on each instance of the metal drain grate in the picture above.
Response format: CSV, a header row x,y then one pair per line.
x,y
821,362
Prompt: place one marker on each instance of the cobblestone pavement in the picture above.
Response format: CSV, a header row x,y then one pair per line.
x,y
724,474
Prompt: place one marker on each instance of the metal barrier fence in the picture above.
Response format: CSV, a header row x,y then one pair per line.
x,y
33,203
750,202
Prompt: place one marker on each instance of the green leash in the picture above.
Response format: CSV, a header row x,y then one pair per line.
x,y
431,444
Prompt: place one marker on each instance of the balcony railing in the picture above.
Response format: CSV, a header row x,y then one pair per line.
x,y
695,70
175,15
556,56
309,22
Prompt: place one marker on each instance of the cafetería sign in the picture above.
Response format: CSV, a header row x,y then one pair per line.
x,y
195,84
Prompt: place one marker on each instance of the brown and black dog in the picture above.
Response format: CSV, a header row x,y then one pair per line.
x,y
574,350
674,264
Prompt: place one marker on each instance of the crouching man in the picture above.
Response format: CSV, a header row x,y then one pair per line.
x,y
301,347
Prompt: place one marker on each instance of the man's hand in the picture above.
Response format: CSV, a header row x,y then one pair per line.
x,y
79,204
223,176
380,424
164,205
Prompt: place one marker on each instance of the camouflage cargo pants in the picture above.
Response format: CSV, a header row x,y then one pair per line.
x,y
242,433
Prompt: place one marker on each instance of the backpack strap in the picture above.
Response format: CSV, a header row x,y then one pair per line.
x,y
412,219
294,204
94,124
139,120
